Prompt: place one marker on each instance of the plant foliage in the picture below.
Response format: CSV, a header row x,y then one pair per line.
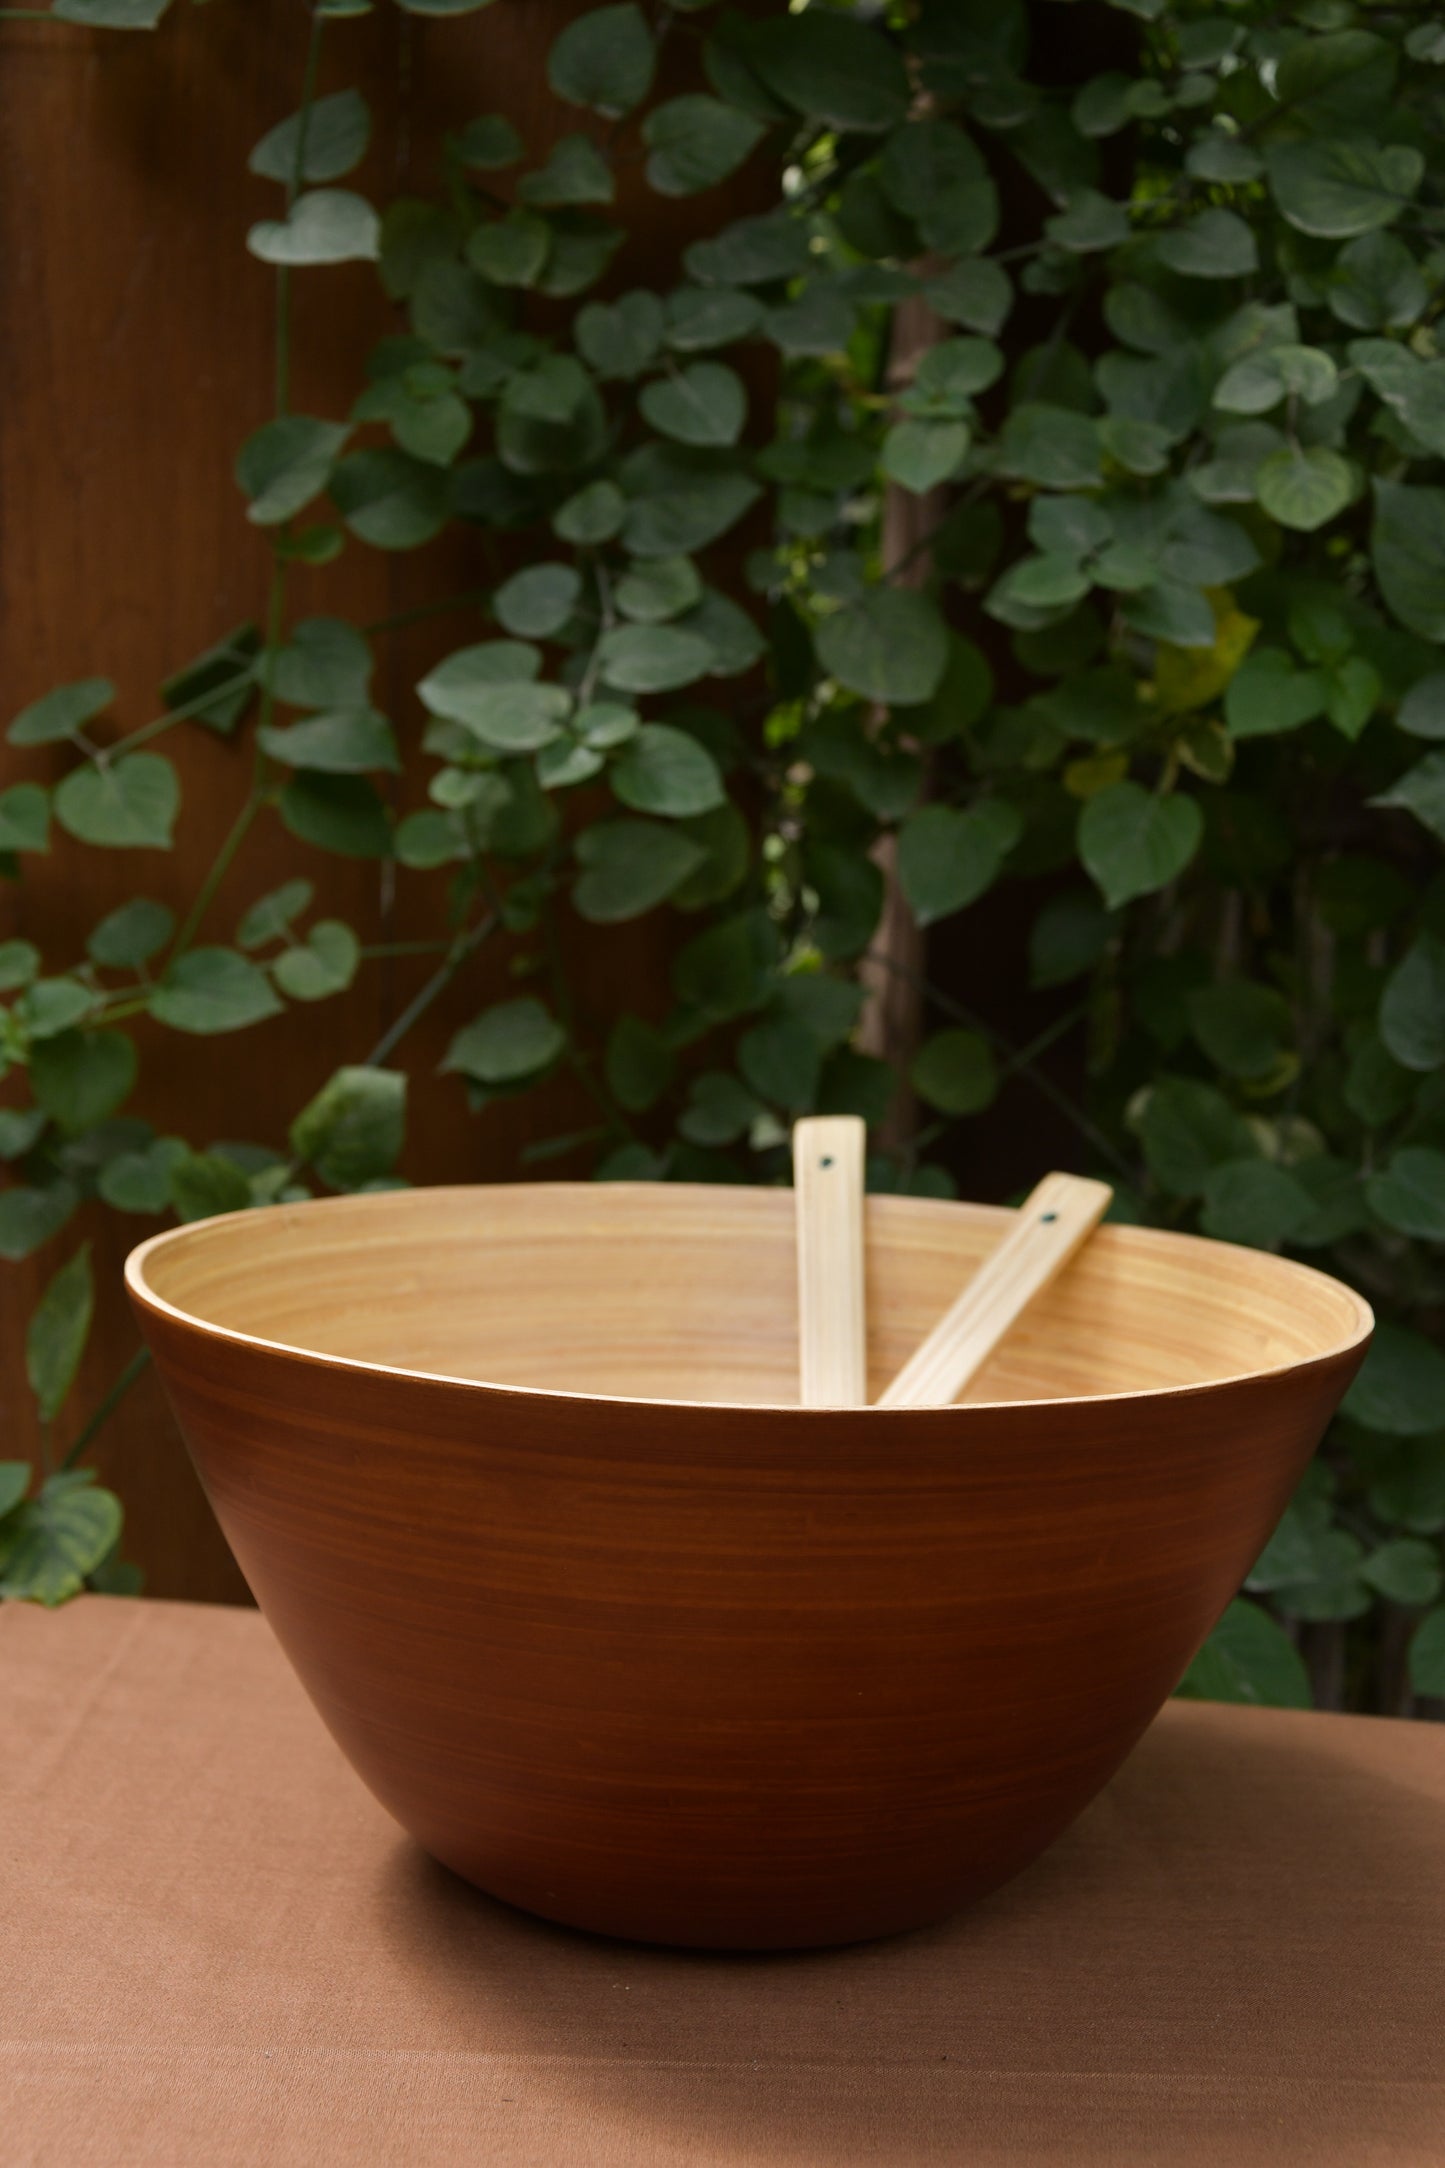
x,y
1170,661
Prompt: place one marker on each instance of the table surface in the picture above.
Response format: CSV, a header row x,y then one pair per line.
x,y
219,1950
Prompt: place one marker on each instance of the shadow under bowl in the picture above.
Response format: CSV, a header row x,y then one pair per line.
x,y
624,1635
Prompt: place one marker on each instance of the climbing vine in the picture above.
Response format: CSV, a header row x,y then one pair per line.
x,y
1163,651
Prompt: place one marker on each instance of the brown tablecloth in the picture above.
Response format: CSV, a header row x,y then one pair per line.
x,y
216,1949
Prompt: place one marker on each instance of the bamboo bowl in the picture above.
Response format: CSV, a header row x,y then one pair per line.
x,y
623,1634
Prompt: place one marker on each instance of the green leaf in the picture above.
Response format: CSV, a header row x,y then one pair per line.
x,y
218,687
751,252
1408,549
947,859
1133,842
337,131
56,1335
391,500
1427,1655
1090,222
699,317
704,404
1305,487
782,1061
130,804
920,454
628,866
352,1132
1248,1658
1051,446
515,1039
1400,1389
720,1109
652,658
661,770
213,989
833,68
324,964
891,647
24,818
1188,1130
140,1181
1406,1571
659,588
621,338
51,1006
14,1483
681,501
128,937
734,642
1070,936
1213,244
511,250
1255,1202
1412,1007
111,14
339,813
199,1185
575,172
348,741
285,463
29,1217
326,225
81,1077
1335,187
1267,695
326,664
1422,711
1375,284
1243,1027
1421,791
488,143
270,916
594,515
53,1541
955,1071
19,964
1262,379
975,293
639,1064
537,602
61,713
605,59
695,142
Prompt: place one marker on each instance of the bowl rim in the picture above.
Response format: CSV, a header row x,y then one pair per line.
x,y
146,1298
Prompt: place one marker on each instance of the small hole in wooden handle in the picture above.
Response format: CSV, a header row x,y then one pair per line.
x,y
826,1161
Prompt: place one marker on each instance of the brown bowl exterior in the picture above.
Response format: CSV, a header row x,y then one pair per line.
x,y
734,1677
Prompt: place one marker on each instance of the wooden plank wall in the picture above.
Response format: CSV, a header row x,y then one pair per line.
x,y
136,352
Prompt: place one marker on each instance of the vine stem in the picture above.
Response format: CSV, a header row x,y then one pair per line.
x,y
102,1414
206,893
1018,1062
466,946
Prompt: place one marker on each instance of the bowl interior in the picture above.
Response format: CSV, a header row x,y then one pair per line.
x,y
689,1294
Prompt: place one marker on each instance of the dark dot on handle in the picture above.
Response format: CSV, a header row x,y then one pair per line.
x,y
826,1162
1046,1216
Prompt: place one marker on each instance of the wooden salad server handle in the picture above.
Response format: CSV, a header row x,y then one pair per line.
x,y
828,1152
1052,1223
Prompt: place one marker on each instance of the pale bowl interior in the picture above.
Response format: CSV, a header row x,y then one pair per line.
x,y
680,1293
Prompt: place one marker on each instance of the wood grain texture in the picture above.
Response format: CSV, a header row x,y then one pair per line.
x,y
136,337
705,1666
828,1153
1049,1227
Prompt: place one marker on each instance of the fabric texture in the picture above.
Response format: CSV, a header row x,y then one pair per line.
x,y
219,1952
